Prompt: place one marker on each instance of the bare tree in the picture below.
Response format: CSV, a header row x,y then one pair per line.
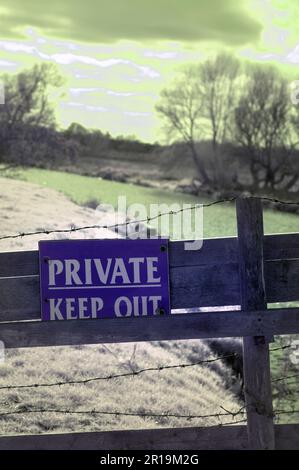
x,y
263,128
181,108
217,81
199,106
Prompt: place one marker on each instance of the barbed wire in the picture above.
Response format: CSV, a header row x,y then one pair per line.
x,y
149,414
145,220
285,378
280,348
117,225
276,201
285,412
122,375
136,373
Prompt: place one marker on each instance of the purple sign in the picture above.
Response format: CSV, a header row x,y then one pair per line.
x,y
83,279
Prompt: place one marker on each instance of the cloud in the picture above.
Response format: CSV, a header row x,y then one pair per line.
x,y
68,59
293,56
4,64
227,21
161,55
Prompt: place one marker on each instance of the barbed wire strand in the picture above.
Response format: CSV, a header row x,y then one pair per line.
x,y
280,348
285,412
276,201
145,220
285,378
123,413
122,375
115,226
136,373
138,414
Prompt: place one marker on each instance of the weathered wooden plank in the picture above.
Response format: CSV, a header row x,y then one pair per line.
x,y
286,436
19,263
222,324
256,356
204,286
281,246
282,280
192,438
199,286
216,437
20,298
190,287
215,251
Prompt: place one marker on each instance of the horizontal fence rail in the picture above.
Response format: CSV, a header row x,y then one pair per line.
x,y
202,325
193,438
205,278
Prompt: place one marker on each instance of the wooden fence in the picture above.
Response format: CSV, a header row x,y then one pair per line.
x,y
250,270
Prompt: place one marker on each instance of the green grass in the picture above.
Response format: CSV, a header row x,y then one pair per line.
x,y
219,220
285,392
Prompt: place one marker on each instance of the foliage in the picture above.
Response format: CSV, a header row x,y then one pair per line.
x,y
27,122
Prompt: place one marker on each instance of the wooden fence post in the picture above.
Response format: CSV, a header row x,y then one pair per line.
x,y
256,357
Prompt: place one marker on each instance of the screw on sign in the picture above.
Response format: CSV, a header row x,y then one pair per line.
x,y
84,279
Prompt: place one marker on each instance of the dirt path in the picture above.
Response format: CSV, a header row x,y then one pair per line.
x,y
28,207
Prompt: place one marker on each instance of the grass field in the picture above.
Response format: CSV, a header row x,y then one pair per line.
x,y
199,390
219,220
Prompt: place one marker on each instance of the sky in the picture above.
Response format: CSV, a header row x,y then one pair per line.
x,y
117,55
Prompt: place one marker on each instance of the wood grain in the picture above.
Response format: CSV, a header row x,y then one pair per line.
x,y
215,251
224,324
192,438
256,357
192,286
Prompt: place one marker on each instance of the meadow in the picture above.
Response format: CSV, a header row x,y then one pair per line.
x,y
218,220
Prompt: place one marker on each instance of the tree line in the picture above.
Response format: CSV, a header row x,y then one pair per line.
x,y
237,108
29,134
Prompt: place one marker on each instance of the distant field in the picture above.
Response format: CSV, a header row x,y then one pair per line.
x,y
219,220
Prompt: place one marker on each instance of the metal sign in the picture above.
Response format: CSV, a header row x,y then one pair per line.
x,y
85,279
